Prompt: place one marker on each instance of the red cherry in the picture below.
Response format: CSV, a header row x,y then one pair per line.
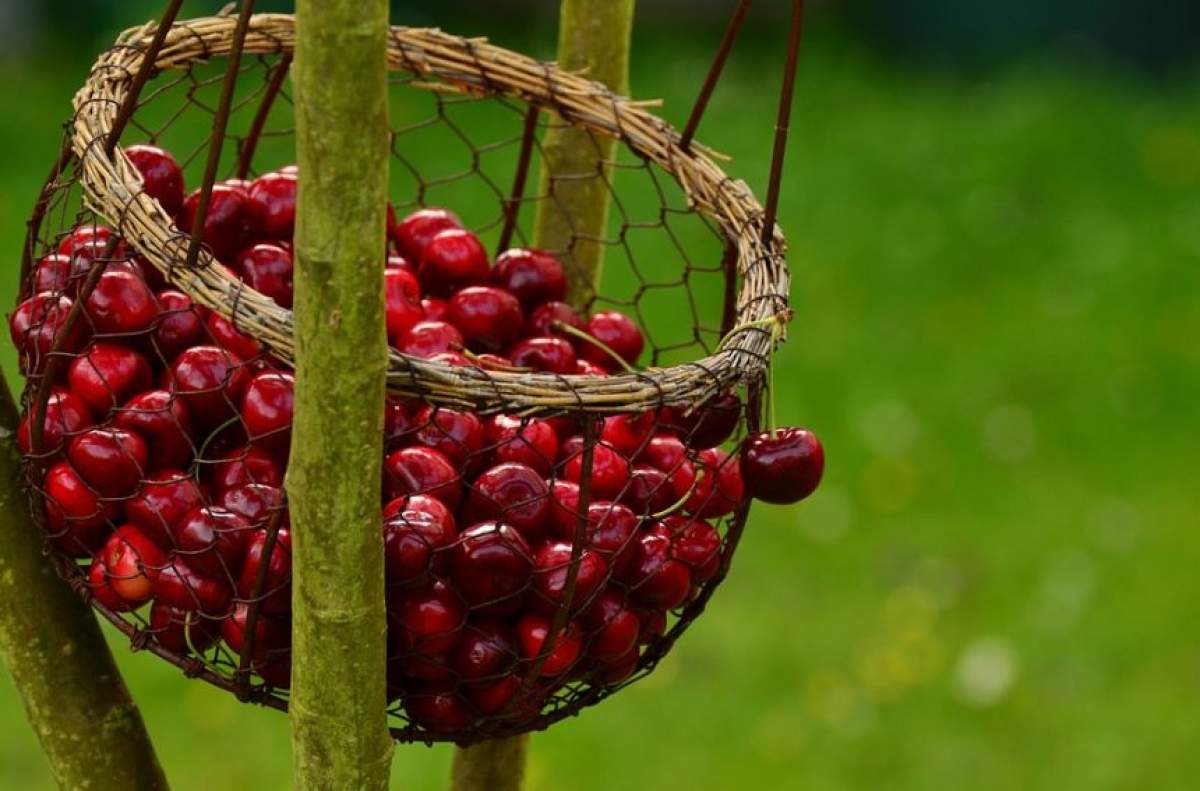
x,y
414,232
611,531
161,176
89,233
664,452
165,498
226,224
243,466
654,625
532,276
224,332
654,577
552,355
552,565
428,338
272,642
628,433
403,298
708,425
255,502
514,494
36,323
784,466
398,421
491,565
532,631
412,540
486,649
589,368
488,318
614,672
181,587
649,491
544,321
452,259
611,628
111,460
276,593
268,268
618,332
422,471
398,262
458,435
427,621
527,441
210,380
564,509
133,562
179,324
267,407
212,541
435,309
271,208
718,488
66,414
492,697
162,420
419,667
439,711
101,591
107,374
695,543
54,274
451,358
426,505
181,631
610,470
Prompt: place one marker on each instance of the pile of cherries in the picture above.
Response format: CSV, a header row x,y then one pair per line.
x,y
166,434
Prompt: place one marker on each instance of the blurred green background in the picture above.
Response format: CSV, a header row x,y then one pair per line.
x,y
996,253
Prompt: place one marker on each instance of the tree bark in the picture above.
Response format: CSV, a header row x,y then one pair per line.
x,y
495,765
339,699
75,698
593,37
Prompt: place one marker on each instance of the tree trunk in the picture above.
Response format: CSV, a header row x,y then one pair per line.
x,y
593,37
75,699
339,699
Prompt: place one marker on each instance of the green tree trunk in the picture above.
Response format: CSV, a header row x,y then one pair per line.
x,y
593,37
339,700
75,699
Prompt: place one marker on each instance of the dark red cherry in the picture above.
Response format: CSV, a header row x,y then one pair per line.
x,y
271,657
267,408
618,332
421,470
424,504
435,309
86,234
532,276
429,338
551,355
181,631
565,512
491,565
649,491
227,223
111,460
438,710
179,324
133,562
610,470
514,494
100,590
181,587
611,532
489,318
66,414
53,273
458,435
610,626
272,205
611,673
654,625
212,541
107,374
210,380
718,488
257,503
528,441
696,544
551,567
628,433
398,421
77,519
589,368
782,467
229,337
452,259
242,466
268,268
486,649
414,232
398,262
35,325
545,320
161,176
427,621
276,593
665,452
166,497
160,418
412,541
489,698
654,577
403,300
532,633
709,424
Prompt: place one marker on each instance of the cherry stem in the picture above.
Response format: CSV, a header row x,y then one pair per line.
x,y
675,506
494,366
604,347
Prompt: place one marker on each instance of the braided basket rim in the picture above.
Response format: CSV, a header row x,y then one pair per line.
x,y
112,188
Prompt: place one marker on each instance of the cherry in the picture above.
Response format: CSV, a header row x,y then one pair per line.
x,y
654,625
451,358
492,697
458,435
612,627
665,452
708,425
243,466
398,421
440,711
35,325
255,502
416,231
412,540
718,488
268,269
133,562
162,420
181,631
86,234
271,208
610,470
272,642
695,543
111,460
628,433
212,541
54,274
654,577
428,338
420,667
486,649
435,309
784,466
545,320
398,262
618,332
429,620
422,471
268,404
491,564
532,631
66,414
614,672
514,494
529,441
179,324
564,509
106,374
228,336
532,276
162,177
649,491
611,529
451,260
402,294
276,593
552,355
489,318
424,504
552,566
210,380
101,590
166,497
226,224
181,587
589,368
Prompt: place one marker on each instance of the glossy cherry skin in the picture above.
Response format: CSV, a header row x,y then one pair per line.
x,y
181,631
529,441
212,541
551,567
707,426
229,337
36,323
545,321
695,543
489,698
268,405
88,233
452,259
426,505
102,593
180,324
210,380
243,466
654,577
589,368
402,294
618,332
435,309
133,562
165,498
784,467
438,710
489,318
271,656
226,225
160,418
77,519
649,490
108,374
255,502
532,631
611,627
486,649
629,433
612,530
181,587
564,509
398,421
162,177
427,621
610,470
491,565
393,261
665,452
550,355
611,673
276,592
718,487
421,470
429,338
54,274
416,231
271,208
514,494
459,436
111,460
66,414
532,276
268,268
413,541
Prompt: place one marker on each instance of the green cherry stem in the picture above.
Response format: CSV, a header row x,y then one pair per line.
x,y
604,347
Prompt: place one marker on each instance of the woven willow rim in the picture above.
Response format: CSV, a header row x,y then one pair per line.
x,y
112,188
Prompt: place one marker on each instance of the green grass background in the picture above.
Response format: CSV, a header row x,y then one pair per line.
x,y
997,336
